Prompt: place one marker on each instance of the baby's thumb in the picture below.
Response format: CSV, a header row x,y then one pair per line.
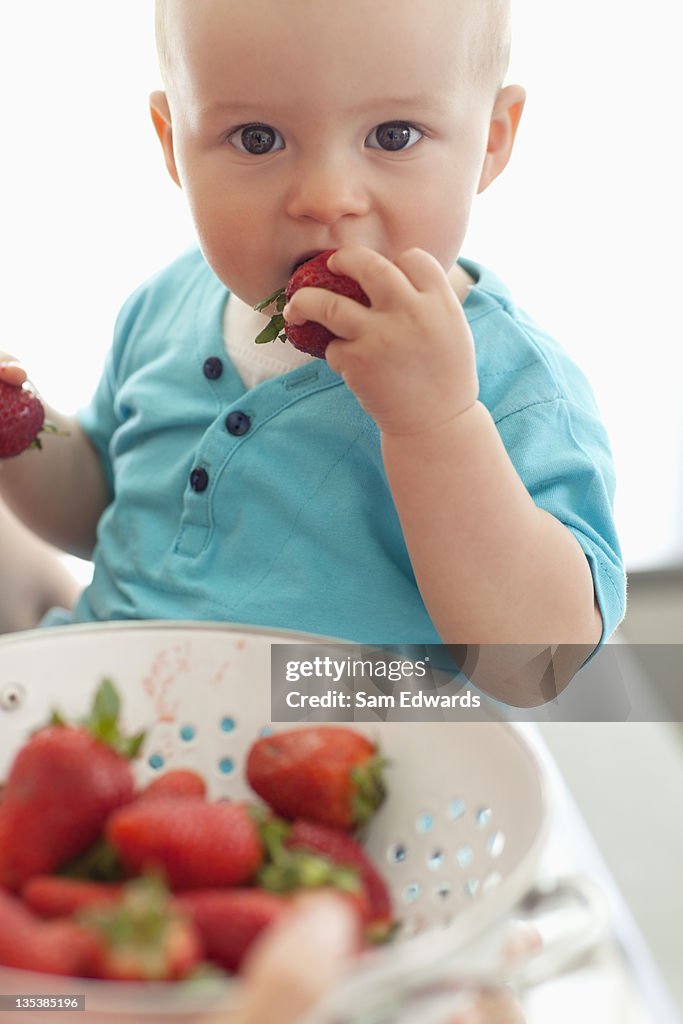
x,y
299,960
11,370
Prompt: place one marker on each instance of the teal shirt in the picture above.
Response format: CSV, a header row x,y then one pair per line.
x,y
270,506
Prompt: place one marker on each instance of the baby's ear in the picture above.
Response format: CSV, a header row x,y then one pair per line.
x,y
507,111
161,118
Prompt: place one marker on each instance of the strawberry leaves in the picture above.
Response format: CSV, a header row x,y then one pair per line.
x,y
276,326
103,722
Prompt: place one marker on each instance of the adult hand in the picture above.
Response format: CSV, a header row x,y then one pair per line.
x,y
306,953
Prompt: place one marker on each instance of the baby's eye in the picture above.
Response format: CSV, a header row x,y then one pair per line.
x,y
393,135
256,139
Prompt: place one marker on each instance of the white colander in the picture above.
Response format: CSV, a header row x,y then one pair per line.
x,y
458,838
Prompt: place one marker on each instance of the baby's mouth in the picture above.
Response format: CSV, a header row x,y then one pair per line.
x,y
304,259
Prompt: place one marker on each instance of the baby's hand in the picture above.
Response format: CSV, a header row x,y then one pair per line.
x,y
409,358
11,371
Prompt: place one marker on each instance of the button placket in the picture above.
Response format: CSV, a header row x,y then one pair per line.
x,y
237,422
212,368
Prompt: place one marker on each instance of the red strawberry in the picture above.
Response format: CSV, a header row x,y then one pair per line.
x,y
229,920
57,896
22,417
52,947
343,849
62,786
310,336
197,845
328,774
144,937
178,782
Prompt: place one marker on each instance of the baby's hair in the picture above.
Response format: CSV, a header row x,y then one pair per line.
x,y
489,52
490,47
161,18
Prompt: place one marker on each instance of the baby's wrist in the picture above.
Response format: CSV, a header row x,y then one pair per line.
x,y
434,426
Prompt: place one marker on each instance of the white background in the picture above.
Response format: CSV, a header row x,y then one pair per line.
x,y
585,225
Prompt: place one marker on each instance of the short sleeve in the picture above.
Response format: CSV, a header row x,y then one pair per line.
x,y
562,454
100,418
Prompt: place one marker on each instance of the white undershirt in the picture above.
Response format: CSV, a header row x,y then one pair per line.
x,y
256,363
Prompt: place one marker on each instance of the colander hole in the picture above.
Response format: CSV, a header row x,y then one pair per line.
x,y
226,766
496,844
464,856
491,881
442,891
267,730
424,823
483,816
456,809
187,733
397,853
412,892
228,724
11,697
156,761
471,887
435,860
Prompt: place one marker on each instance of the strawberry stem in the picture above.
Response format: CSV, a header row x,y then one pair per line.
x,y
103,722
287,870
276,327
277,297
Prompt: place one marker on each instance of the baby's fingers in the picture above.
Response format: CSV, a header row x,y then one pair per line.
x,y
11,370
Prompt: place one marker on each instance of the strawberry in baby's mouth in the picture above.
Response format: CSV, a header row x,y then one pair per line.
x,y
310,336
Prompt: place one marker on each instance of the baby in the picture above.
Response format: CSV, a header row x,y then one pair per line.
x,y
444,474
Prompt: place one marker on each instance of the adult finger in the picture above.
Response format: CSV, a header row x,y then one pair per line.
x,y
298,960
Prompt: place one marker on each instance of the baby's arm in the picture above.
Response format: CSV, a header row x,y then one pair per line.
x,y
33,578
58,492
492,567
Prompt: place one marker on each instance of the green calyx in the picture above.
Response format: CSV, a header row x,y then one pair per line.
x,y
99,863
276,327
370,790
137,925
47,428
103,722
287,870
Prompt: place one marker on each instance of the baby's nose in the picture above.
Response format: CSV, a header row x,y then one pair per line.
x,y
326,191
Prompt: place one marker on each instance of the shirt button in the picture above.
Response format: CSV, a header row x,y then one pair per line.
x,y
237,422
213,368
199,479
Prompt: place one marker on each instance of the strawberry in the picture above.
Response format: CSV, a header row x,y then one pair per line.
x,y
344,850
310,336
328,774
195,844
144,937
22,417
229,920
178,782
55,896
63,784
52,947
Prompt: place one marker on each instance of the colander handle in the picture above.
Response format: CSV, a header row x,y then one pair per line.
x,y
572,917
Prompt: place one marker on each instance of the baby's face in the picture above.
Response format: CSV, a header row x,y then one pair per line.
x,y
310,124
